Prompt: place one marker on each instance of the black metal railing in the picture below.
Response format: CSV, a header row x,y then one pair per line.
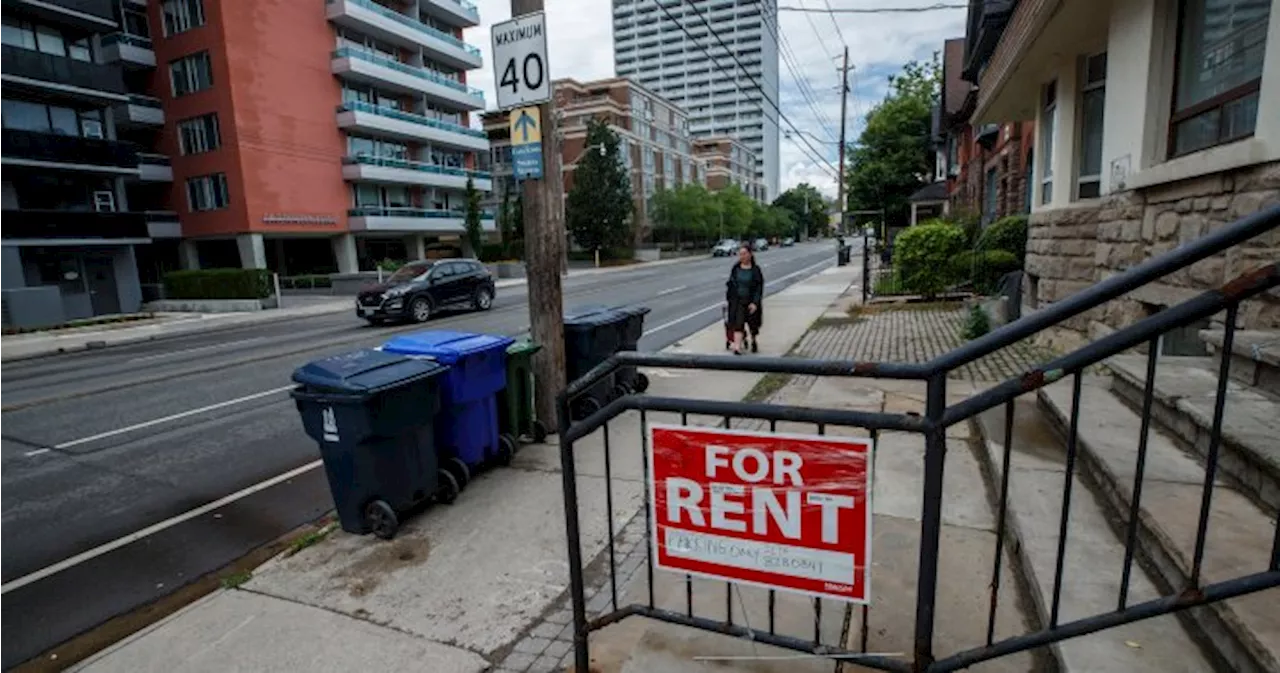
x,y
63,149
62,70
73,224
938,416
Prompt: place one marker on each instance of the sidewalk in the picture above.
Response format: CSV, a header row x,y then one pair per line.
x,y
462,587
37,344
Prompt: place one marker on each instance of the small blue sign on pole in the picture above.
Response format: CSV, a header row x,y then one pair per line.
x,y
526,143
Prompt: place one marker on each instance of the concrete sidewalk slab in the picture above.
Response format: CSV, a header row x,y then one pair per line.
x,y
232,631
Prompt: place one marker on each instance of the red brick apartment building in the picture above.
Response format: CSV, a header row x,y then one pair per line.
x,y
300,136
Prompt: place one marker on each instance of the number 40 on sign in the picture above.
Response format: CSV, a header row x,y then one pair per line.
x,y
520,61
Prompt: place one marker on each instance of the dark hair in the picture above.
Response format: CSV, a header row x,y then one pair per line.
x,y
747,247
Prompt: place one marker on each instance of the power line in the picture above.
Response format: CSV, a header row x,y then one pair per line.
x,y
789,59
872,10
745,72
839,32
808,17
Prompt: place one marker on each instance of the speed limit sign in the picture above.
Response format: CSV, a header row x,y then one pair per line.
x,y
520,72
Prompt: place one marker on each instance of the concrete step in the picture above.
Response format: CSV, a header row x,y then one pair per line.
x,y
1240,634
1186,390
1255,356
1094,557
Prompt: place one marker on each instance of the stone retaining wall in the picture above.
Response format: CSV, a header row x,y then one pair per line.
x,y
1069,249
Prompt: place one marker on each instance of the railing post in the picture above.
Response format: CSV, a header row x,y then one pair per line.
x,y
866,265
935,453
577,588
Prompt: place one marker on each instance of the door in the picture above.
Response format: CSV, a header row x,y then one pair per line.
x,y
100,278
459,282
441,284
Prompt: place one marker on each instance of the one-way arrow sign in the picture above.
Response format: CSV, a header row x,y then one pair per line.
x,y
523,123
526,142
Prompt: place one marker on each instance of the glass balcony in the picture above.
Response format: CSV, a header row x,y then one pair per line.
x,y
389,162
441,43
357,106
476,96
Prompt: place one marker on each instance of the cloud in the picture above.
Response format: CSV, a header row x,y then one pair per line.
x,y
580,40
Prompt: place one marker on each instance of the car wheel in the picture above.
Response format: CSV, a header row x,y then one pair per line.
x,y
483,299
420,309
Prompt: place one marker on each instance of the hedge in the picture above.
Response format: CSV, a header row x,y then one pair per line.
x,y
984,268
922,257
218,284
1006,233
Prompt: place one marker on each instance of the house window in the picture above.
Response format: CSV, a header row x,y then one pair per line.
x,y
199,134
190,74
207,192
27,35
1048,119
1218,72
182,15
1093,93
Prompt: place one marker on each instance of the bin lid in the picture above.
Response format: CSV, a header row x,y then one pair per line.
x,y
631,310
445,345
363,372
587,317
523,346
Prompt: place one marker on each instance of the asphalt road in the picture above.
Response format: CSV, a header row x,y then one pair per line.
x,y
182,455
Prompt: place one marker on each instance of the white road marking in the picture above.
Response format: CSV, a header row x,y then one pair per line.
x,y
717,305
154,528
166,419
36,452
196,350
671,291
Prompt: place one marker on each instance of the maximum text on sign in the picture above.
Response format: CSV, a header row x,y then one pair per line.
x,y
789,512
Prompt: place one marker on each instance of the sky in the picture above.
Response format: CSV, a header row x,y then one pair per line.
x,y
580,41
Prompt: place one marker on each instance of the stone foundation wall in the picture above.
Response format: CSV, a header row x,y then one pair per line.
x,y
1069,249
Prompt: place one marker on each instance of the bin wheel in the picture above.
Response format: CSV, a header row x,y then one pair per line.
x,y
381,520
448,488
641,383
620,390
460,470
506,449
539,432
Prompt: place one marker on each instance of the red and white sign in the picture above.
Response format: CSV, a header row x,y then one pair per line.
x,y
782,511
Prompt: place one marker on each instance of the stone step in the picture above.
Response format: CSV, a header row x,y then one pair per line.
x,y
1240,634
1255,356
1186,390
1094,557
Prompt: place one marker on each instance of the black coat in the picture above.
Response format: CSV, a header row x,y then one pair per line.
x,y
755,294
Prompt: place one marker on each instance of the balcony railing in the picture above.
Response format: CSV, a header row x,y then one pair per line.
x,y
127,39
65,224
154,159
415,24
422,73
388,162
68,149
358,106
383,211
145,101
61,70
103,9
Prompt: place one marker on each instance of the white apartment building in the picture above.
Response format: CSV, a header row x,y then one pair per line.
x,y
653,50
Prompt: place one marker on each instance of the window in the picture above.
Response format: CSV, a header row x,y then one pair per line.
x,y
41,118
1093,93
27,35
207,192
1218,72
135,23
182,15
199,134
190,74
1048,118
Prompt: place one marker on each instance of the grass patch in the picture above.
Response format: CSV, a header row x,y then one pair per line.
x,y
236,579
834,321
310,538
767,387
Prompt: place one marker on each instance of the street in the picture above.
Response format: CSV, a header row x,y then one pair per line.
x,y
131,471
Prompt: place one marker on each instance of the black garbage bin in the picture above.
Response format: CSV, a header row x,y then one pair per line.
x,y
591,335
372,414
630,379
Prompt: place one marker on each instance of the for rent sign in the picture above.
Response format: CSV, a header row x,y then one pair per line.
x,y
783,511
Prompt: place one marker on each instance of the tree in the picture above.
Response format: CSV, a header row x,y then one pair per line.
x,y
683,214
506,228
475,234
892,157
736,212
807,207
598,208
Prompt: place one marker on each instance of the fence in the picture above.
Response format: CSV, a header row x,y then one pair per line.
x,y
932,426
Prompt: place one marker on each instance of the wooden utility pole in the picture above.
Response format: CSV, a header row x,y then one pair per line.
x,y
844,98
544,253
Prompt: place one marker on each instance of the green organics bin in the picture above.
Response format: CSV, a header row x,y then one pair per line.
x,y
517,417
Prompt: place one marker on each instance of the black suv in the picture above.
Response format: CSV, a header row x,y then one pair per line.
x,y
418,289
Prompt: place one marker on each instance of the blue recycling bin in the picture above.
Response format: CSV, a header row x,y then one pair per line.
x,y
467,420
372,414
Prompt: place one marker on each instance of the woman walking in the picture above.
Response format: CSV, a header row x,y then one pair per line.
x,y
745,297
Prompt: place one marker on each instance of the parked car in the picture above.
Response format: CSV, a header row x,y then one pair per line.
x,y
418,289
726,248
760,245
788,242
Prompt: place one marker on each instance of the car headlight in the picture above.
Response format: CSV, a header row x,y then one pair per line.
x,y
395,292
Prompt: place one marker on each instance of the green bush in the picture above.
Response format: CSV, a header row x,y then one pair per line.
x,y
983,268
976,323
922,256
389,265
306,282
1006,233
493,252
218,284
